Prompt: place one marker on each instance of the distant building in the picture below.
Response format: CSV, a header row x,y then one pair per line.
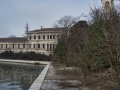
x,y
41,41
107,6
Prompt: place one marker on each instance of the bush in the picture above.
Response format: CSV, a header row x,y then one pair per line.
x,y
25,56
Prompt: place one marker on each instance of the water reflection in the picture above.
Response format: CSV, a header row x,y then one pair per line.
x,y
18,76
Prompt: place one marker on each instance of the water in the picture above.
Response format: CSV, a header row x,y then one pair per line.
x,y
18,76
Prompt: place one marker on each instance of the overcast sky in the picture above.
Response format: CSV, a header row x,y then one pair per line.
x,y
14,14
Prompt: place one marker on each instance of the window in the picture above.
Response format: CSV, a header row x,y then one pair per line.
x,y
29,45
47,46
53,36
33,45
43,45
50,36
34,37
53,46
30,37
47,36
39,37
23,45
1,45
107,5
18,45
13,45
50,46
6,45
38,45
43,36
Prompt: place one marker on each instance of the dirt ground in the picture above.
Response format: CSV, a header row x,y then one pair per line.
x,y
66,78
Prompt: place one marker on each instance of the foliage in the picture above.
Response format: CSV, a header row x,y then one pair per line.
x,y
96,46
24,56
67,21
60,50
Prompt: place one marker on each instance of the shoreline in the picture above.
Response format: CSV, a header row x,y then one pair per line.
x,y
39,80
25,61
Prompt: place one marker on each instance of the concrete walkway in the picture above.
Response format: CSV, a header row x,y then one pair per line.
x,y
55,81
51,78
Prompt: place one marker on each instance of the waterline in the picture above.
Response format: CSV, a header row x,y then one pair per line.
x,y
18,76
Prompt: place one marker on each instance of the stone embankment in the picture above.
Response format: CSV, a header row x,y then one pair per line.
x,y
39,80
25,61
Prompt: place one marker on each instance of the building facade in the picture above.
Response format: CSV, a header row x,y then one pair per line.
x,y
41,41
107,6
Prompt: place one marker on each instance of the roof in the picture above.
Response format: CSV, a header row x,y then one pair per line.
x,y
13,39
46,30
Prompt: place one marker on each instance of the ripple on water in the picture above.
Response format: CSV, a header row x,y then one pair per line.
x,y
18,76
10,86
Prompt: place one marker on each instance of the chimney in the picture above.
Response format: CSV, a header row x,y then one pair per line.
x,y
41,27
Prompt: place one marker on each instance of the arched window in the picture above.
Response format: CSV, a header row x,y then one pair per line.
x,y
39,37
107,5
53,36
33,45
6,45
47,36
43,45
50,36
1,45
43,36
34,37
38,45
18,45
30,37
29,45
13,46
23,45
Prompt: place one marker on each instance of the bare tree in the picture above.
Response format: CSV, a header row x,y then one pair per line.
x,y
74,39
26,29
111,30
12,36
95,15
65,23
77,49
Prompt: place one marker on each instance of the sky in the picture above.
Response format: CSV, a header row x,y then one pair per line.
x,y
14,14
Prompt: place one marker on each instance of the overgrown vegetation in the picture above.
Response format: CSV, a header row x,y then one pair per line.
x,y
24,56
96,46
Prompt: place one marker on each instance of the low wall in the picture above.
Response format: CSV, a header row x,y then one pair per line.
x,y
24,61
38,82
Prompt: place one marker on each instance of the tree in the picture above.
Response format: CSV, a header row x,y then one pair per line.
x,y
26,30
96,46
60,50
67,21
12,36
110,27
64,23
77,43
71,47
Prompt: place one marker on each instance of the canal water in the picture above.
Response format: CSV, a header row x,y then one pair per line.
x,y
18,76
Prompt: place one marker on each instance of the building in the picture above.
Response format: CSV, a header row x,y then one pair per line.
x,y
41,41
107,6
